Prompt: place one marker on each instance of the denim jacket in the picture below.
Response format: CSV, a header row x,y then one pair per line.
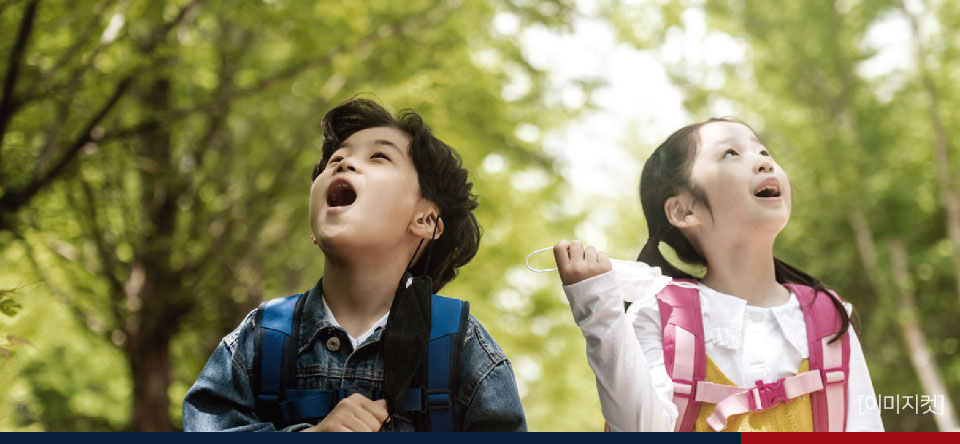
x,y
222,397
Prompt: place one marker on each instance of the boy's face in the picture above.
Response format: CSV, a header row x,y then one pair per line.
x,y
367,195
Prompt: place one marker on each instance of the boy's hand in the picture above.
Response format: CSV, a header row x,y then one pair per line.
x,y
576,263
355,413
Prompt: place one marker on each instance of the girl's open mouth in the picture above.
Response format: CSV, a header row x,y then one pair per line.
x,y
768,188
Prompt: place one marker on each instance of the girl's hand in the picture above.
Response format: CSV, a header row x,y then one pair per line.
x,y
355,413
576,263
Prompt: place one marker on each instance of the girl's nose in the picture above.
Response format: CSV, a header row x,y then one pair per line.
x,y
765,165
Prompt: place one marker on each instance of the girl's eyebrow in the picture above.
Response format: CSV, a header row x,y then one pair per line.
x,y
728,140
732,141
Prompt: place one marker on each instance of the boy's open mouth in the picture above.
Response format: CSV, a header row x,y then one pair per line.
x,y
340,194
769,188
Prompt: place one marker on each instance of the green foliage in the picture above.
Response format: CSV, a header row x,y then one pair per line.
x,y
183,203
153,177
8,305
858,149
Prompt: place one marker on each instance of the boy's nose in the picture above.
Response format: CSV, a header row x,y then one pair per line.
x,y
345,165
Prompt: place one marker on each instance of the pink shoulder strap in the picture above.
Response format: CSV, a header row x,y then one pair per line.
x,y
684,354
831,359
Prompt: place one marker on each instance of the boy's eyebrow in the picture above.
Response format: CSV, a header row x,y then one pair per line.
x,y
385,142
380,142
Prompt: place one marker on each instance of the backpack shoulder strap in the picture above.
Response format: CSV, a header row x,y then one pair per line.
x,y
684,352
276,331
448,325
831,359
275,357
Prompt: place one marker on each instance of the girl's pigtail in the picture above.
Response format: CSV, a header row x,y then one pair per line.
x,y
665,174
788,273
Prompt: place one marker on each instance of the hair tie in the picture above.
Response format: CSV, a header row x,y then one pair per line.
x,y
654,239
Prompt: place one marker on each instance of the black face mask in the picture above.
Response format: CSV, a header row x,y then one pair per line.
x,y
407,331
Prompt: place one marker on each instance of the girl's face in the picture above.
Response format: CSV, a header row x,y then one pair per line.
x,y
748,192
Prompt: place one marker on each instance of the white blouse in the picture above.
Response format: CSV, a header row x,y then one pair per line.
x,y
747,343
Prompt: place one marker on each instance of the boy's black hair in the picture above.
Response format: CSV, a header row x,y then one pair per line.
x,y
443,181
667,173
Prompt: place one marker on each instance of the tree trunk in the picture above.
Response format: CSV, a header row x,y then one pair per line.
x,y
149,358
865,245
154,314
948,194
8,101
923,361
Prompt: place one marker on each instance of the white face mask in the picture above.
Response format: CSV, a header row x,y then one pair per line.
x,y
635,278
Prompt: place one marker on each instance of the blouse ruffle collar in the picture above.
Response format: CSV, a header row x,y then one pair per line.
x,y
724,316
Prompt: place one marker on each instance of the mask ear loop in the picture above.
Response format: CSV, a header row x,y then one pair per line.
x,y
684,285
536,270
426,266
433,237
410,264
547,270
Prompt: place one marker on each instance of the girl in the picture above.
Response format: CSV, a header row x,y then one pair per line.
x,y
745,347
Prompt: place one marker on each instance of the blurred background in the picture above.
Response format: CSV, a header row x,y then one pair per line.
x,y
155,159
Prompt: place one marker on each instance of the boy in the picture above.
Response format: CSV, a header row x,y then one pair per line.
x,y
384,188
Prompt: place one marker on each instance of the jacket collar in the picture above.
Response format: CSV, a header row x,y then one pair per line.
x,y
316,319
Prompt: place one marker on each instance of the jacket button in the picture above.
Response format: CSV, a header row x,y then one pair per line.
x,y
333,343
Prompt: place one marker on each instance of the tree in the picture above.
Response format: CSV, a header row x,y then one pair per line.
x,y
846,139
150,154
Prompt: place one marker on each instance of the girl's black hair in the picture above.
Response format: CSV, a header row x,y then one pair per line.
x,y
443,181
667,173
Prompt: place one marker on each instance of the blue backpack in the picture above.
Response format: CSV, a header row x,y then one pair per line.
x,y
431,396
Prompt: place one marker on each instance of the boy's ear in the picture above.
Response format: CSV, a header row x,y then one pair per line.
x,y
679,211
424,221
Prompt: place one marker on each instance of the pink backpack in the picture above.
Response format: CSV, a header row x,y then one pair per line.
x,y
685,359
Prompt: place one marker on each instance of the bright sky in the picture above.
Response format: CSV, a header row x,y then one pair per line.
x,y
602,152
